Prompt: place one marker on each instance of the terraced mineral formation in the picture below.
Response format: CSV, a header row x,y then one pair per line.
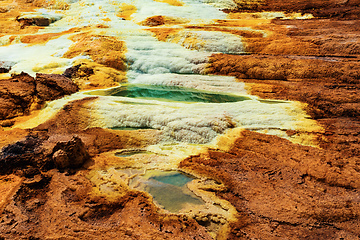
x,y
179,119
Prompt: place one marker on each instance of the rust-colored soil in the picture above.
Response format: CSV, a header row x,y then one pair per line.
x,y
283,189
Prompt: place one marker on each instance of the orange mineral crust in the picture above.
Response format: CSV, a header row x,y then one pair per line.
x,y
273,182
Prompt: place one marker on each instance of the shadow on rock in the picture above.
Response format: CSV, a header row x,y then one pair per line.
x,y
35,152
21,93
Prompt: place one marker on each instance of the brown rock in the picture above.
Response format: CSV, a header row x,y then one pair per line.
x,y
54,86
16,95
28,20
70,154
154,21
7,123
22,154
319,8
284,189
5,67
19,93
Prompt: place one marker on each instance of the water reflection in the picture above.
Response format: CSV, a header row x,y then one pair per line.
x,y
168,189
169,93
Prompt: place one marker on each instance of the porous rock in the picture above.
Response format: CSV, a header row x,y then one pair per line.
x,y
54,86
22,154
70,154
22,92
16,95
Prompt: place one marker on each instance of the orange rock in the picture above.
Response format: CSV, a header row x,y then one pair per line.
x,y
107,51
8,186
44,38
296,185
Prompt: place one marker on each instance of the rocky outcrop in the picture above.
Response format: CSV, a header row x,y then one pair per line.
x,y
343,9
70,154
53,86
58,205
21,93
283,189
24,154
39,152
42,20
17,95
90,75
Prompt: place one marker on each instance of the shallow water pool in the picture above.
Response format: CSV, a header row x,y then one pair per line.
x,y
169,93
168,189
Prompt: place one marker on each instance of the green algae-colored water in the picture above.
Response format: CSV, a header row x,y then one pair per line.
x,y
129,128
169,189
131,153
173,178
169,93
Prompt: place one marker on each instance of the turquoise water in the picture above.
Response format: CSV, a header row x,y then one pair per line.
x,y
131,153
170,191
169,93
173,178
129,128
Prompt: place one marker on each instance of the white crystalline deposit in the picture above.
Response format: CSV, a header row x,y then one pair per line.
x,y
146,55
200,82
195,122
221,4
34,58
192,10
214,42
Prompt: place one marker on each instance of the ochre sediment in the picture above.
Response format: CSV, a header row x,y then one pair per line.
x,y
107,51
281,192
91,75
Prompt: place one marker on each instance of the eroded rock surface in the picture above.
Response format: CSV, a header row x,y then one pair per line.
x,y
59,206
53,86
284,189
21,93
37,151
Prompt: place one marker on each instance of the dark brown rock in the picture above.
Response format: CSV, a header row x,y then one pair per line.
x,y
41,21
23,154
72,72
54,86
22,92
16,95
70,154
37,152
5,67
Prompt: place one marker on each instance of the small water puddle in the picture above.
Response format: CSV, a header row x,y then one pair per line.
x,y
169,93
130,128
129,153
168,189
